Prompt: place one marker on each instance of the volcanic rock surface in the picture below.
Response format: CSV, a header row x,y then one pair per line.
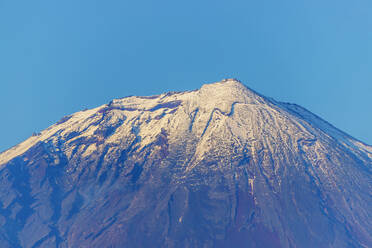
x,y
222,166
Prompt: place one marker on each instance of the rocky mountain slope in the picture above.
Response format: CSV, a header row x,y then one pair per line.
x,y
222,166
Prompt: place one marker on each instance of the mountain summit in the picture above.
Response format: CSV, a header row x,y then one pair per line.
x,y
222,166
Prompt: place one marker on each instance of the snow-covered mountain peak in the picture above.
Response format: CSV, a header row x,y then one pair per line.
x,y
229,89
230,82
224,110
213,95
221,166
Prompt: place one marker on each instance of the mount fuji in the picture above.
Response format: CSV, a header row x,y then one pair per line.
x,y
221,166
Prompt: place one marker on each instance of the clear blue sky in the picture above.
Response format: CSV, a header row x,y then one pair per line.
x,y
58,57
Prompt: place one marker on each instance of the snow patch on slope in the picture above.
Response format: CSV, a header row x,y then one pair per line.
x,y
66,123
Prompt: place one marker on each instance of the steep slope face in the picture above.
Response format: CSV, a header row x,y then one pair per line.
x,y
217,167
